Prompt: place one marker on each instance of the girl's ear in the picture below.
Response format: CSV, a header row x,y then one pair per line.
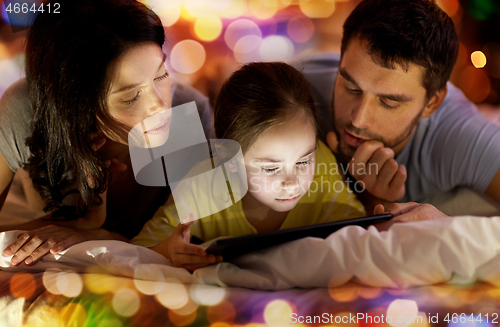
x,y
435,102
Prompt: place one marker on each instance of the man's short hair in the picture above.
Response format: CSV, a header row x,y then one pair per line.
x,y
403,32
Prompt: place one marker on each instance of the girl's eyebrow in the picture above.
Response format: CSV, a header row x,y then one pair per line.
x,y
277,161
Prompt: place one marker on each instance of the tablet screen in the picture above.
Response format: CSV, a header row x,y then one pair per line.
x,y
232,247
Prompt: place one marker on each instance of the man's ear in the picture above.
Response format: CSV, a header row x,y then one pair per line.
x,y
435,102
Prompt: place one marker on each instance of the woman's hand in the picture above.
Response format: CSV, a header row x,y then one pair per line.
x,y
32,245
182,253
406,212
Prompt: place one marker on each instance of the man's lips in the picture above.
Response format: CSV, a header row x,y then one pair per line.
x,y
353,140
161,128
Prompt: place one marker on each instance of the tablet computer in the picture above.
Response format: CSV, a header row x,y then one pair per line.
x,y
232,247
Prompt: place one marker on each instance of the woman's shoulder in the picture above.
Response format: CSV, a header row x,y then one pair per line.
x,y
15,99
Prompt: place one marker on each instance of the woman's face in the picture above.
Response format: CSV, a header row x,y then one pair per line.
x,y
140,88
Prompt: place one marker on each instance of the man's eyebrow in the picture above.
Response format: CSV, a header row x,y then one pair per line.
x,y
347,77
277,161
391,97
132,86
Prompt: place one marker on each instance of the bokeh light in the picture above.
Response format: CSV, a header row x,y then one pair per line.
x,y
187,56
263,9
406,309
74,284
73,314
475,84
174,295
247,49
277,312
182,320
208,28
239,29
235,9
154,285
126,302
483,9
207,295
168,11
317,8
276,48
451,7
344,293
22,285
221,312
300,29
103,283
478,59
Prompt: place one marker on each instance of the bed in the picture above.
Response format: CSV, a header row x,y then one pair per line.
x,y
441,272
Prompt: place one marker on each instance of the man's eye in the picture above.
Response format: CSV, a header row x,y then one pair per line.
x,y
270,171
351,90
385,105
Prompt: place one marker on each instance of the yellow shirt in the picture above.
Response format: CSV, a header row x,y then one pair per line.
x,y
329,200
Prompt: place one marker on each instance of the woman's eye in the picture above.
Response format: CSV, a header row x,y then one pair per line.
x,y
162,77
129,102
303,163
270,171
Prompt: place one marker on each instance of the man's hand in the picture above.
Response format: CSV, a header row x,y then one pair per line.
x,y
32,245
374,166
407,212
182,253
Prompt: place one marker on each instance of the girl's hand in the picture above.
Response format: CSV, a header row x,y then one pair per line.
x,y
182,253
32,245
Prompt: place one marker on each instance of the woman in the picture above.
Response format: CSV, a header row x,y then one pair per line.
x,y
93,71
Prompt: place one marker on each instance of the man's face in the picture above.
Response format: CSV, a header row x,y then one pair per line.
x,y
375,103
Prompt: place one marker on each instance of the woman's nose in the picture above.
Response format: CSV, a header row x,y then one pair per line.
x,y
158,103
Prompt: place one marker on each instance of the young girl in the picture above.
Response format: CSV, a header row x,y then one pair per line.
x,y
269,110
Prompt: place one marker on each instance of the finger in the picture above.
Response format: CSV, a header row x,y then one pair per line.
x,y
63,245
195,266
189,219
379,209
16,245
191,249
26,250
398,209
40,251
187,259
333,142
386,175
399,178
363,154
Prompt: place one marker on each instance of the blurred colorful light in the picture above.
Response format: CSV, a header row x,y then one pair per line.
x,y
317,8
239,29
73,314
247,49
300,29
126,302
168,11
475,84
277,312
207,295
405,310
174,295
22,285
208,28
276,48
478,59
263,9
187,56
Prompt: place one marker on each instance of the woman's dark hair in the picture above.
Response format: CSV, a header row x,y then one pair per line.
x,y
257,97
403,32
70,58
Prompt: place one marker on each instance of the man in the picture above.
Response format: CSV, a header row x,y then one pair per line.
x,y
393,110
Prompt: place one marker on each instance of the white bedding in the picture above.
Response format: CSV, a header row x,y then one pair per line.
x,y
456,250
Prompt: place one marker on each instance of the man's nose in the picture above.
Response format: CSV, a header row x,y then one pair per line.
x,y
360,116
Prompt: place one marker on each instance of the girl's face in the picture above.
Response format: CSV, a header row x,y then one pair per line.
x,y
140,89
280,164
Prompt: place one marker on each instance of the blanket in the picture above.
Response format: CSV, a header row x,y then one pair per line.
x,y
457,250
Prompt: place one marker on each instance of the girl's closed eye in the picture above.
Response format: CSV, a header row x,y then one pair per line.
x,y
162,77
270,171
304,163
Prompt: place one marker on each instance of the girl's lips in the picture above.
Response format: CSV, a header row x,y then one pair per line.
x,y
160,129
352,140
289,199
